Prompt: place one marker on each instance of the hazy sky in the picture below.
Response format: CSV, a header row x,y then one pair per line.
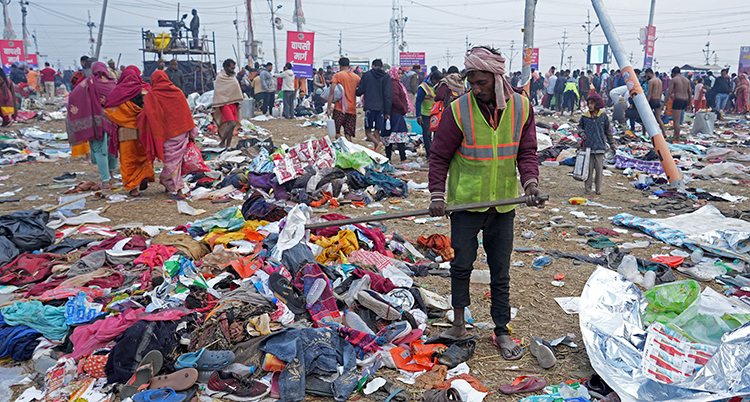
x,y
434,27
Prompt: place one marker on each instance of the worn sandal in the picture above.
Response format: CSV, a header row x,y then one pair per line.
x,y
543,352
158,395
696,273
458,353
141,379
178,381
205,360
523,384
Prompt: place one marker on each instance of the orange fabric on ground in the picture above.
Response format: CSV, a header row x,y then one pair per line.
x,y
134,164
80,150
440,243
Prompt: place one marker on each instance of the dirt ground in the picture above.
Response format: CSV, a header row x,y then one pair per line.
x,y
531,290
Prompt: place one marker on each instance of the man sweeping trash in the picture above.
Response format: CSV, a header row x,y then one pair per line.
x,y
481,139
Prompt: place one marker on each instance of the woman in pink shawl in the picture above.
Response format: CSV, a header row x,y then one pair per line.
x,y
87,122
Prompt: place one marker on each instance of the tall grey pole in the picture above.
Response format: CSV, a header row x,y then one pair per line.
x,y
273,30
634,87
101,30
650,23
528,42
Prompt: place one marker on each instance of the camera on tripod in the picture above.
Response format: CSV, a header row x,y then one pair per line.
x,y
176,27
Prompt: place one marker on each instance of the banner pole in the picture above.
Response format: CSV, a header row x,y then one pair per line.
x,y
641,103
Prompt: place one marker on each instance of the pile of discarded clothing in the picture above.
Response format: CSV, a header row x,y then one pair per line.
x,y
244,304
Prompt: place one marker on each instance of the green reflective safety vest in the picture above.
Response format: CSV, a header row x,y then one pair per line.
x,y
429,98
484,166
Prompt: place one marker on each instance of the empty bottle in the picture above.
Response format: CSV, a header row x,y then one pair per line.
x,y
629,269
697,255
355,322
317,288
331,126
467,315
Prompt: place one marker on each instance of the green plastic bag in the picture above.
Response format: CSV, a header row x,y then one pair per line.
x,y
352,160
667,301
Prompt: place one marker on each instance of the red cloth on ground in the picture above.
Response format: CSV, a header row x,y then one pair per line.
x,y
136,243
605,231
88,338
377,282
165,115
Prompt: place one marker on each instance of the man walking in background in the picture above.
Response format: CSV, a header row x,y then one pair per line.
x,y
723,87
376,87
287,87
654,97
268,86
679,86
48,78
345,110
227,100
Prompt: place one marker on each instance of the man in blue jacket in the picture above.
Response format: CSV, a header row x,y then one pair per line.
x,y
376,87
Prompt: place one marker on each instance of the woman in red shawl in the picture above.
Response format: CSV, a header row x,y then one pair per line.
x,y
123,106
166,128
7,99
87,122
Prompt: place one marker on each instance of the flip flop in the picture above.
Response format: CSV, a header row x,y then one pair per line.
x,y
178,381
458,353
448,340
158,395
494,342
144,185
597,384
523,384
149,365
205,360
543,352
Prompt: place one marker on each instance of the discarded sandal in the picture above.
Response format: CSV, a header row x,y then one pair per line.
x,y
290,295
441,395
543,352
458,353
158,395
141,379
178,381
696,273
523,384
205,360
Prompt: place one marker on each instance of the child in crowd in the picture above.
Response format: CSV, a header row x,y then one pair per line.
x,y
596,133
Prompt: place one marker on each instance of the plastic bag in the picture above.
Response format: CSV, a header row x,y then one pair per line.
x,y
666,302
27,229
192,161
352,160
8,251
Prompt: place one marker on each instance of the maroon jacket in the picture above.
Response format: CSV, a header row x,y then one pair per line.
x,y
399,105
448,138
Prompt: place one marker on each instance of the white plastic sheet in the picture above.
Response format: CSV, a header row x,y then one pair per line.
x,y
614,336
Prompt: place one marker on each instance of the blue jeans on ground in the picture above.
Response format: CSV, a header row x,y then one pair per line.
x,y
721,101
498,244
312,352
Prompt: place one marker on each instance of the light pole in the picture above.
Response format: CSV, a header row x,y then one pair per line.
x,y
273,29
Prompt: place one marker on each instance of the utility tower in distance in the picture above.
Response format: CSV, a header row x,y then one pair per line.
x,y
563,46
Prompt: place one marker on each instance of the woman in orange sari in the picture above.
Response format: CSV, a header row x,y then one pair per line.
x,y
166,128
7,99
123,106
742,92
